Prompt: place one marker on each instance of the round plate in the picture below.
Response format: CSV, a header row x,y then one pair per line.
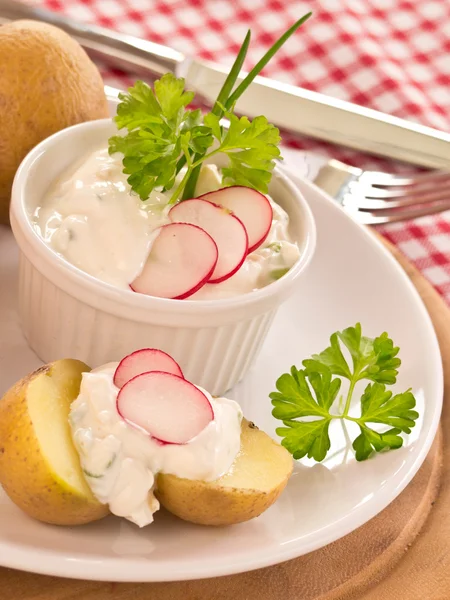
x,y
352,278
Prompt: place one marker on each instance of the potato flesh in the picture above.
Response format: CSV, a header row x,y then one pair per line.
x,y
256,479
262,464
39,469
49,397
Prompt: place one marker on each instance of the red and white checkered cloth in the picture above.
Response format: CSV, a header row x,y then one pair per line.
x,y
391,55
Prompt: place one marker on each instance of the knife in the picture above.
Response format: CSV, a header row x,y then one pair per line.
x,y
293,108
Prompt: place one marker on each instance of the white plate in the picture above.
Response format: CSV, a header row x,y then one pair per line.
x,y
352,278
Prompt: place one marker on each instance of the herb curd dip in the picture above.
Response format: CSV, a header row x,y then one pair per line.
x,y
120,461
92,219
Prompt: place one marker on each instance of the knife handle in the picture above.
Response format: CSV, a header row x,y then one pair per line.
x,y
330,119
121,50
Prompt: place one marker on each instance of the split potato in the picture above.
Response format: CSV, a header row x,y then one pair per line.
x,y
256,479
39,466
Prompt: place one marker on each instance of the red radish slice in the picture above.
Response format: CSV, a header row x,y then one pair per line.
x,y
250,206
144,361
224,227
167,407
181,260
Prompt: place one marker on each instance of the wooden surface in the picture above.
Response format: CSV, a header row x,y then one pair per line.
x,y
386,559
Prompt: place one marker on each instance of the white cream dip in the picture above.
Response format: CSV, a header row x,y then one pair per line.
x,y
120,462
92,219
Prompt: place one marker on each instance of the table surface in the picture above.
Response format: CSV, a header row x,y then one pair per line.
x,y
369,564
391,55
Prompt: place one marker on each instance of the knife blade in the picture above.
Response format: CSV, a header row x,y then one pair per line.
x,y
290,107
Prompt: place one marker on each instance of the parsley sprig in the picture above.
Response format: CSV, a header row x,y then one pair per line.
x,y
305,397
162,135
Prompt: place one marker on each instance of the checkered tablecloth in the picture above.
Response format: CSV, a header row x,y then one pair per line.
x,y
391,55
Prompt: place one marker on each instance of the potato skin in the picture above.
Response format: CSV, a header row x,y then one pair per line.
x,y
207,505
220,502
23,473
47,83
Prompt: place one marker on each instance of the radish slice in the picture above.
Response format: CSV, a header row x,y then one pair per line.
x,y
167,407
223,226
181,260
144,361
250,206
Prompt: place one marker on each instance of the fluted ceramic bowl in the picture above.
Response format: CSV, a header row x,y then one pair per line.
x,y
67,313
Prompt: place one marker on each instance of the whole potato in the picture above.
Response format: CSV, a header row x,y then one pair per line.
x,y
47,83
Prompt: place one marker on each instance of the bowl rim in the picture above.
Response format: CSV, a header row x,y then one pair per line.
x,y
21,224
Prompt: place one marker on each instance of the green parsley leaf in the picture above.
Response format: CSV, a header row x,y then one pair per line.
x,y
199,136
378,405
331,358
385,367
369,441
251,146
192,119
305,397
294,397
372,359
160,130
213,122
172,98
137,108
302,395
163,135
306,438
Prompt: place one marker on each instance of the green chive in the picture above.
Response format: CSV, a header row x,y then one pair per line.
x,y
263,62
189,188
232,77
228,102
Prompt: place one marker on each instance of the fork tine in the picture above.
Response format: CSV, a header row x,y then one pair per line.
x,y
387,216
400,192
364,200
378,178
375,198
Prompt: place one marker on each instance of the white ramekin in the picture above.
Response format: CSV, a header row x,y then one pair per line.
x,y
67,313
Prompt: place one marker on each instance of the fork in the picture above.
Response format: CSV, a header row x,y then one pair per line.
x,y
374,197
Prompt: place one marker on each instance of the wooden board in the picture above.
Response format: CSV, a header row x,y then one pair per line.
x,y
402,554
